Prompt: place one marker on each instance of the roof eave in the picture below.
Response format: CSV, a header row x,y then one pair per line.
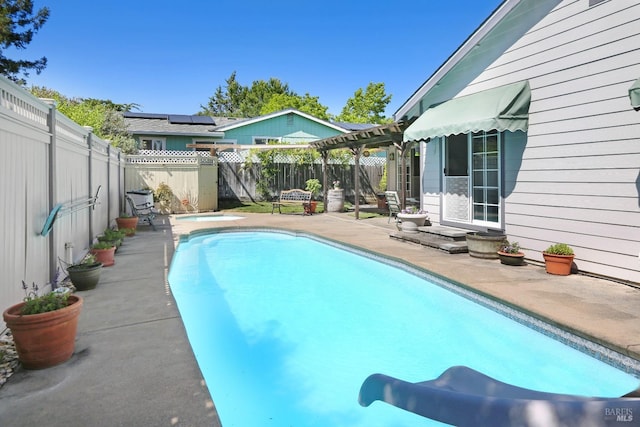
x,y
467,46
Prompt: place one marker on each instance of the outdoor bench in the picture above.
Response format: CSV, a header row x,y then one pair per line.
x,y
292,198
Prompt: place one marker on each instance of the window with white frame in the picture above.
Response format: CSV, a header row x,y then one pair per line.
x,y
153,143
210,141
262,140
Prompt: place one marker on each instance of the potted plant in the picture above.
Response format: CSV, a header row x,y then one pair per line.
x,y
104,253
314,186
558,259
411,218
127,221
85,274
44,327
113,236
510,254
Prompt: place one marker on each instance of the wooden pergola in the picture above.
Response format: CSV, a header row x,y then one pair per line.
x,y
357,142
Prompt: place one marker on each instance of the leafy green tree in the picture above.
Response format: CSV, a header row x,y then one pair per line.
x,y
235,100
366,106
103,116
259,94
307,104
226,102
18,24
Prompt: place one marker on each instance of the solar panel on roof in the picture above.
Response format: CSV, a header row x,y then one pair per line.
x,y
203,120
138,115
180,119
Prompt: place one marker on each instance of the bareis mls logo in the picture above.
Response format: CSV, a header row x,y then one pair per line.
x,y
619,414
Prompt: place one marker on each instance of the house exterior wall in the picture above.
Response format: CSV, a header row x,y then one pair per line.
x,y
575,177
279,126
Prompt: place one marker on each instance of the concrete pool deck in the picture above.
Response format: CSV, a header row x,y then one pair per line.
x,y
133,364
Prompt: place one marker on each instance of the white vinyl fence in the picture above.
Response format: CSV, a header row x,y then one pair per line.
x,y
49,161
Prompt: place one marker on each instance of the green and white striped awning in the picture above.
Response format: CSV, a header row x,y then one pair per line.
x,y
501,108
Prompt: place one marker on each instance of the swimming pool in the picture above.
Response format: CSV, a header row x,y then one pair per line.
x,y
286,328
205,218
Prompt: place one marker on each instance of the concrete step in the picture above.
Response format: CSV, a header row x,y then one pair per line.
x,y
448,239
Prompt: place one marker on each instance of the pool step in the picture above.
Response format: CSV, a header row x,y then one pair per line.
x,y
452,240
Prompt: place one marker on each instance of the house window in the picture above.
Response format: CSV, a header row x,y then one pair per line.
x,y
594,2
153,143
262,140
214,142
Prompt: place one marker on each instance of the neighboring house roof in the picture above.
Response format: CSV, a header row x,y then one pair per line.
x,y
170,124
511,20
244,122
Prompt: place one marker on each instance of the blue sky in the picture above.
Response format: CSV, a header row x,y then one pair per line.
x,y
170,56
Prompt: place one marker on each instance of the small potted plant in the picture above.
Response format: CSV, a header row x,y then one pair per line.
x,y
114,236
510,254
44,327
104,253
558,259
85,274
314,186
127,221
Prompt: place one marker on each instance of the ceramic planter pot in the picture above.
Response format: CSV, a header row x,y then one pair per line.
x,y
105,256
511,259
485,245
85,277
45,339
128,222
558,264
335,200
410,222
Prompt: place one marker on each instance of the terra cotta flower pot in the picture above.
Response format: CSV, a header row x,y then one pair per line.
x,y
558,264
45,339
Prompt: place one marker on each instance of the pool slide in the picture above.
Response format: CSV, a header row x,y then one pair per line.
x,y
467,398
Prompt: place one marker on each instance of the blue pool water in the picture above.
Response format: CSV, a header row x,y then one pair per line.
x,y
285,330
205,218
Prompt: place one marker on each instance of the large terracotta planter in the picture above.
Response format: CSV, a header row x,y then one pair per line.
x,y
45,339
105,256
128,222
409,223
558,264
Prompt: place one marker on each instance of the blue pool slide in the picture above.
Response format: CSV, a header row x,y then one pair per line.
x,y
467,398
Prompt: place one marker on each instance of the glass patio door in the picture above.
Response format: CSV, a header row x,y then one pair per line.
x,y
471,192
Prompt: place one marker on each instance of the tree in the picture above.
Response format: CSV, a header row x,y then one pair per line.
x,y
226,103
18,24
102,115
307,104
235,100
366,106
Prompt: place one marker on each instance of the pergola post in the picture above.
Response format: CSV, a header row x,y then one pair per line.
x,y
325,181
357,151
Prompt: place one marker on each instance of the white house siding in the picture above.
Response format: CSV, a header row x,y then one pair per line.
x,y
577,178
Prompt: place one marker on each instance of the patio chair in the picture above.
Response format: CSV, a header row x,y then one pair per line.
x,y
144,212
393,202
